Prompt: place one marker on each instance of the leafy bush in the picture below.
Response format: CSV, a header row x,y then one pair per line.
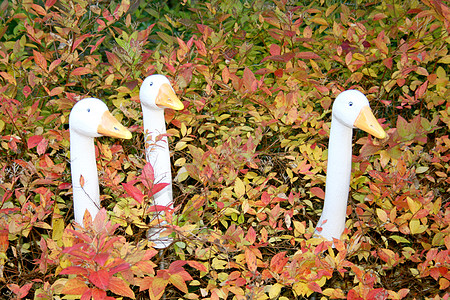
x,y
249,151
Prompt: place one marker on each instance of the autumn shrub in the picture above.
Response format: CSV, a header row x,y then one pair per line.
x,y
249,151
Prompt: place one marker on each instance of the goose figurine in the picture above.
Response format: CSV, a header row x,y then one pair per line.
x,y
156,94
350,109
89,118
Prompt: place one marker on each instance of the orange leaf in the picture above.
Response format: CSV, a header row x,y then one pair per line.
x,y
251,235
120,287
250,258
81,71
158,286
318,192
178,281
225,75
278,261
75,286
39,9
40,60
8,77
249,78
81,180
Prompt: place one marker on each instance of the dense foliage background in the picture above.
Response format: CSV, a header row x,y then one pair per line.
x,y
249,150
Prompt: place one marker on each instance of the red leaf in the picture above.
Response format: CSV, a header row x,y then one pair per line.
x,y
265,198
158,187
42,146
283,57
14,288
148,175
421,90
307,55
120,287
75,286
197,265
119,268
74,270
100,279
34,140
49,3
81,71
134,192
316,288
98,294
160,208
79,41
97,44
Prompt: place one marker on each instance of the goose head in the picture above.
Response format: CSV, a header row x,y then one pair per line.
x,y
91,117
352,109
156,93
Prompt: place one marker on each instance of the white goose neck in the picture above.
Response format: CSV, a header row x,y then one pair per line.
x,y
337,181
83,163
157,153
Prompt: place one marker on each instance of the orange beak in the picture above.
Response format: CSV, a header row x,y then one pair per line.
x,y
366,121
109,126
167,98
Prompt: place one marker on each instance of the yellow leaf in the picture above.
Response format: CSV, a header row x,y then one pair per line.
x,y
359,56
421,169
275,290
183,129
218,264
445,60
416,227
369,72
299,226
239,188
2,125
58,229
382,215
319,21
301,288
109,80
414,206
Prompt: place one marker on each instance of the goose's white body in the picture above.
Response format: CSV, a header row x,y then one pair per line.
x,y
156,94
350,109
89,118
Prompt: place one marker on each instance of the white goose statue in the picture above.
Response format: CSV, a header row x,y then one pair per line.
x,y
350,109
156,94
89,118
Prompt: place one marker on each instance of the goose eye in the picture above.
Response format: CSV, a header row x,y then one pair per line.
x,y
151,83
350,103
88,110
